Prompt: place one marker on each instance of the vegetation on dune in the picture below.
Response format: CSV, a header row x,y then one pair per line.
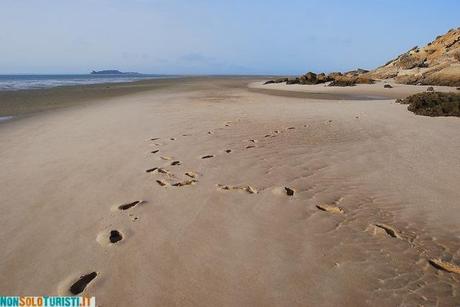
x,y
433,104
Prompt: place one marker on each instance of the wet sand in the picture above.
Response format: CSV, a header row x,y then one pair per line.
x,y
26,102
244,199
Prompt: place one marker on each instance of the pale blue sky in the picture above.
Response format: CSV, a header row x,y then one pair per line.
x,y
214,37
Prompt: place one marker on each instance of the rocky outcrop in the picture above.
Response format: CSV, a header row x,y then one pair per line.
x,y
312,78
437,63
336,78
343,83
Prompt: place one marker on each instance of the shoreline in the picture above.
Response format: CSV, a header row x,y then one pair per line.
x,y
22,103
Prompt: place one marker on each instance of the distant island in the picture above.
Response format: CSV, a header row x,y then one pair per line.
x,y
113,72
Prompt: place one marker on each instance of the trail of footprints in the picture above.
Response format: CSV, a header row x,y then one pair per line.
x,y
114,236
105,238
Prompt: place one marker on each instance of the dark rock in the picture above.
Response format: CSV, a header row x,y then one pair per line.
x,y
364,80
343,82
322,78
387,86
430,89
308,78
293,81
334,75
281,80
312,78
424,64
433,104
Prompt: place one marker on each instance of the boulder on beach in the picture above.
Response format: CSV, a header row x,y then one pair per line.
x,y
279,80
433,103
293,81
343,82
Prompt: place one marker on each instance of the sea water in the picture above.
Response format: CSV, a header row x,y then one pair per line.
x,y
24,82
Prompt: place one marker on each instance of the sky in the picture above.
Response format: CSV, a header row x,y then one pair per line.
x,y
214,36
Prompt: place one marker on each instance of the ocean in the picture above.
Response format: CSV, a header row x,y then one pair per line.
x,y
24,82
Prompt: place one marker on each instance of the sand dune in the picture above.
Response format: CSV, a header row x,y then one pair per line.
x,y
273,201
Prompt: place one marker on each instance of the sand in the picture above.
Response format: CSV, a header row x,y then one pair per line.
x,y
275,201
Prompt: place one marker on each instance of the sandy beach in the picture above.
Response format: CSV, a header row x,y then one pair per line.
x,y
222,192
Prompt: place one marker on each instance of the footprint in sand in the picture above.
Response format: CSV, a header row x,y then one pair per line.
x,y
133,218
151,169
155,151
166,158
163,171
247,188
154,139
131,205
210,132
250,146
191,175
185,183
172,139
175,163
267,135
80,285
162,183
207,157
330,209
228,150
283,191
253,141
115,236
109,238
291,128
444,265
388,230
289,191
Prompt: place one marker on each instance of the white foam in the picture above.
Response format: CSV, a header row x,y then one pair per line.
x,y
4,118
14,83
